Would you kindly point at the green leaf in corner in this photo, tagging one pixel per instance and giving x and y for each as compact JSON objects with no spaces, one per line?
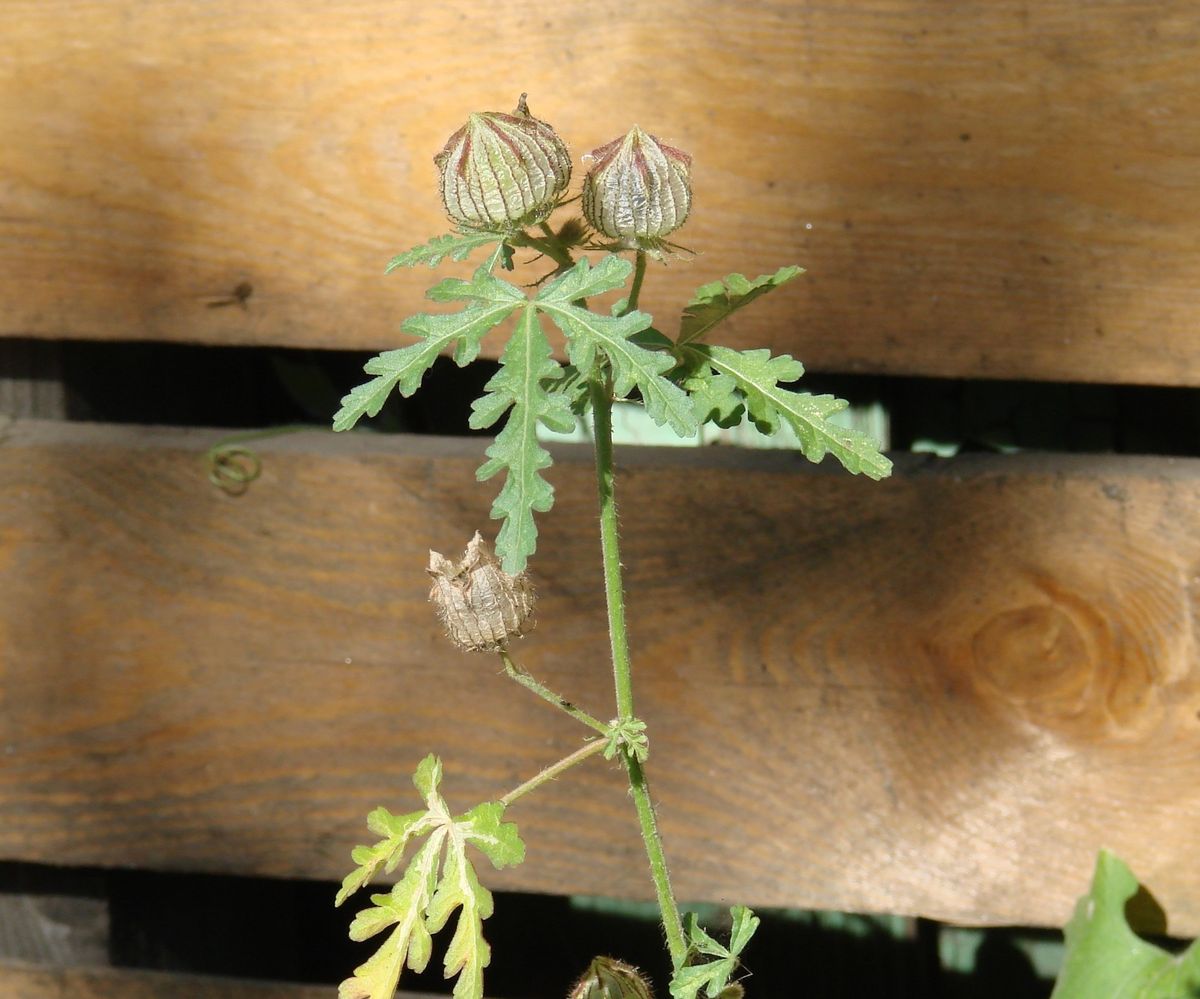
{"x":438,"y":882}
{"x":753,"y":376}
{"x":716,"y":300}
{"x":455,"y":246}
{"x":1104,"y":957}
{"x":490,"y":302}
{"x":524,"y":383}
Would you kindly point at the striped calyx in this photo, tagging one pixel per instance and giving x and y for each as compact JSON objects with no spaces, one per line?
{"x":638,"y":190}
{"x":608,"y":978}
{"x":503,"y":172}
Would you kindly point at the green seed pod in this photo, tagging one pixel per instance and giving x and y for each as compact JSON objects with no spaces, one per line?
{"x":503,"y":172}
{"x":608,"y":978}
{"x":638,"y":190}
{"x":481,"y":605}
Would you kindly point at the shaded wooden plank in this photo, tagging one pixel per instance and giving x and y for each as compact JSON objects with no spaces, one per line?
{"x":936,"y":695}
{"x":32,"y":982}
{"x":1003,"y":189}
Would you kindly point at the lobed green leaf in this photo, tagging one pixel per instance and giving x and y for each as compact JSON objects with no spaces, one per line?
{"x":752,"y":378}
{"x":387,"y":853}
{"x":438,"y":882}
{"x":745,"y":923}
{"x":712,"y":976}
{"x":484,"y":829}
{"x":467,"y":953}
{"x":583,"y":280}
{"x":716,"y":300}
{"x":427,"y":777}
{"x":490,"y":300}
{"x":455,"y":246}
{"x":410,"y":942}
{"x":523,"y":384}
{"x":483,"y":287}
{"x":632,"y":364}
{"x":715,"y":398}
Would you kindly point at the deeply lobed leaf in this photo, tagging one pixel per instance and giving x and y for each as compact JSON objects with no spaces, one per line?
{"x":484,"y":828}
{"x":490,"y":302}
{"x":583,"y":280}
{"x":438,"y":881}
{"x":524,"y":384}
{"x":455,"y":246}
{"x":710,"y":977}
{"x":632,"y":363}
{"x":716,"y":300}
{"x":727,"y":378}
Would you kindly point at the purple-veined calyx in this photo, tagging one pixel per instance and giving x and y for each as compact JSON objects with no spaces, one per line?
{"x":503,"y":172}
{"x":638,"y":190}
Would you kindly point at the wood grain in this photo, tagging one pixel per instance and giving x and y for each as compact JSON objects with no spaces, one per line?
{"x":995,"y":189}
{"x":19,"y":981}
{"x":936,"y":695}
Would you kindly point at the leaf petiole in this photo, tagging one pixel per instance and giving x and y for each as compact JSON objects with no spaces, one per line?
{"x":552,"y":771}
{"x":526,"y":680}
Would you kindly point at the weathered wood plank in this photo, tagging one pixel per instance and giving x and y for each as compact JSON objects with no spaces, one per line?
{"x":1004,"y":189}
{"x":938,"y":695}
{"x":33,"y":982}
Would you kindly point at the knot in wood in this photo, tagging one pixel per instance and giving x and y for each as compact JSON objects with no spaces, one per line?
{"x":480,"y":604}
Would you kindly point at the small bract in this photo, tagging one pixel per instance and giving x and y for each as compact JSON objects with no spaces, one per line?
{"x":638,"y":190}
{"x":481,"y":605}
{"x":503,"y":172}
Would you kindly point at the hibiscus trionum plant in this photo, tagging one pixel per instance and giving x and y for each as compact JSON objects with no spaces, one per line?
{"x":502,"y":176}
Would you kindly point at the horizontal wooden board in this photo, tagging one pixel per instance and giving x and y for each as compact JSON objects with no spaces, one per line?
{"x":26,"y":981}
{"x":936,"y":695}
{"x":988,"y":189}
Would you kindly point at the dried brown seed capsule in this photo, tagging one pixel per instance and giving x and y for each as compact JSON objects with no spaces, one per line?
{"x":480,"y":604}
{"x":608,"y":978}
{"x":503,"y":172}
{"x":638,"y":190}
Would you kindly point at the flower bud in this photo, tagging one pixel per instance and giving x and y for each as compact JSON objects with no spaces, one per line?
{"x":503,"y":171}
{"x":638,"y":190}
{"x":480,"y":604}
{"x":608,"y":978}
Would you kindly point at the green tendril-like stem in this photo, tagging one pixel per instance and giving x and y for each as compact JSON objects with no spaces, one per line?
{"x":527,"y":681}
{"x":552,"y":771}
{"x":601,"y":393}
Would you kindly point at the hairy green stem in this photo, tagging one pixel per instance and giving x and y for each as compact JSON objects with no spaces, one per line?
{"x":523,"y":677}
{"x":601,"y":392}
{"x":635,"y":289}
{"x":552,"y":771}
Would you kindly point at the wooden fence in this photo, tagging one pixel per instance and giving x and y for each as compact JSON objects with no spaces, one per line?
{"x":938,"y":695}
